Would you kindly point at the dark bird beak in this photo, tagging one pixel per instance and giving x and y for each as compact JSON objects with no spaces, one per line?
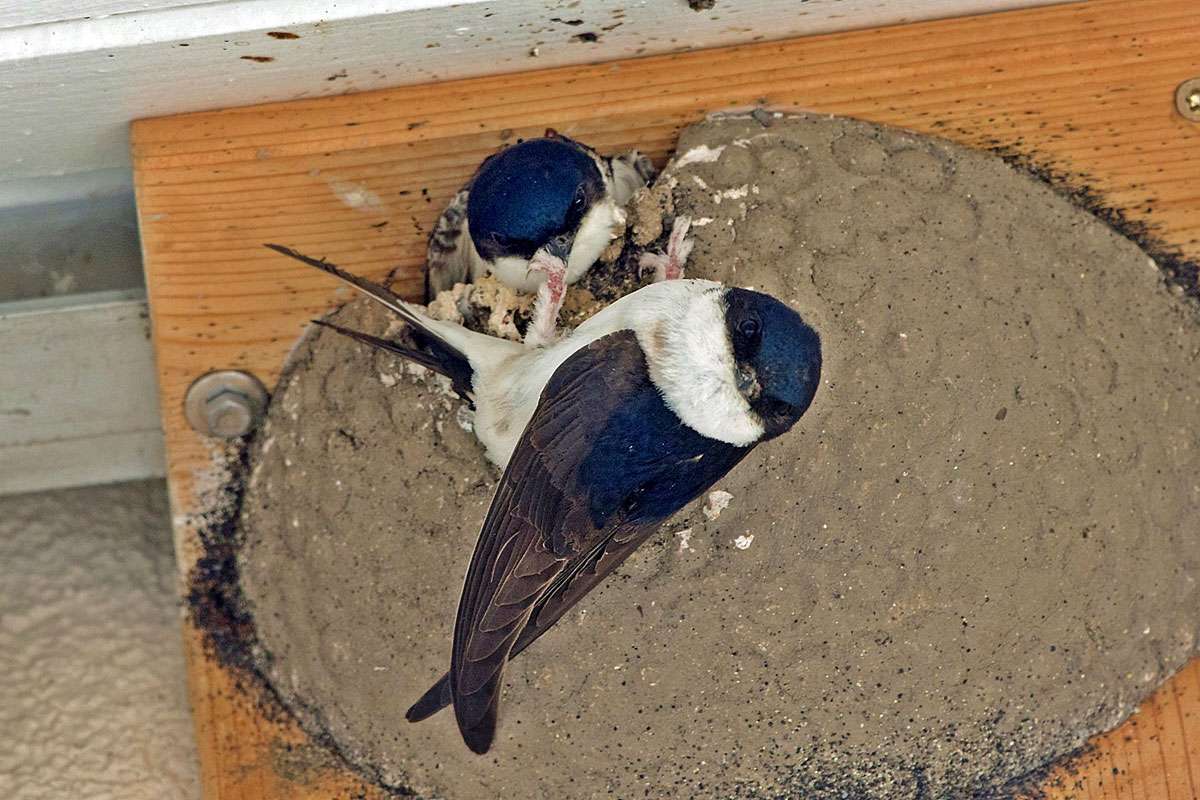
{"x":560,"y":246}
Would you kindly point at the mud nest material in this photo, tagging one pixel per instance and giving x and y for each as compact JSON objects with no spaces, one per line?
{"x":977,"y":548}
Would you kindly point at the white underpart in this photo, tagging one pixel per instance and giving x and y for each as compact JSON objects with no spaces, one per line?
{"x":626,"y":179}
{"x":681,"y":328}
{"x":600,"y":226}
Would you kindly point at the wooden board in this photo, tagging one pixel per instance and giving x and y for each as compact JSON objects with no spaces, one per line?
{"x":1086,"y":88}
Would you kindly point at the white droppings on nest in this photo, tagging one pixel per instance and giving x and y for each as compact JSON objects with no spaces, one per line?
{"x":387,"y":380}
{"x":291,"y":405}
{"x":488,"y":298}
{"x":414,"y":370}
{"x":445,"y":387}
{"x":267,"y":445}
{"x":685,"y":540}
{"x":700,"y":222}
{"x":465,"y":418}
{"x":450,"y":304}
{"x":744,"y":541}
{"x":700,"y":182}
{"x":701,"y":154}
{"x":733,"y":193}
{"x":745,"y":143}
{"x":718,"y":501}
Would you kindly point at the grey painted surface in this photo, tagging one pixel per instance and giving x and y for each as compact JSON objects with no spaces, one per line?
{"x":88,"y":244}
{"x":92,"y":688}
{"x":78,"y":402}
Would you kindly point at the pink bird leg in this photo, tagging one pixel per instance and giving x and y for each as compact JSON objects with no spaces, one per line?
{"x":669,"y":267}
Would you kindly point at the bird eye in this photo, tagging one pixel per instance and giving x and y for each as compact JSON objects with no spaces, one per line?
{"x":749,"y":328}
{"x":579,"y":201}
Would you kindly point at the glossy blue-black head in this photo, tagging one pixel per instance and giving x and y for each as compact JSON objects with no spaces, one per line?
{"x":530,"y":195}
{"x":777,"y":355}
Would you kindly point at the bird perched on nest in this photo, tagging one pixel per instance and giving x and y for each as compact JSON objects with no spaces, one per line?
{"x":603,"y":436}
{"x":537,"y":215}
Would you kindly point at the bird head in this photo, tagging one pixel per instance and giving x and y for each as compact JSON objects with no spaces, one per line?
{"x":777,"y":358}
{"x":533,"y":195}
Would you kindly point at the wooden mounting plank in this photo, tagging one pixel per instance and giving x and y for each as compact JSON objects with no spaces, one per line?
{"x":1085,"y":88}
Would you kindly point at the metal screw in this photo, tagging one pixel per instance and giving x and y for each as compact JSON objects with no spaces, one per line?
{"x":1187,"y":99}
{"x":225,"y":404}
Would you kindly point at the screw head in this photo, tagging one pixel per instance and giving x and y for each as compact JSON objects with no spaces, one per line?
{"x":1187,"y":99}
{"x":225,"y":404}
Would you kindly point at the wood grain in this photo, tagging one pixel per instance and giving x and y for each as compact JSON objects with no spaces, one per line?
{"x":1086,"y":88}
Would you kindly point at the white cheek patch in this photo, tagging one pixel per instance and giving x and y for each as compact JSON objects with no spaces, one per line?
{"x":691,"y":362}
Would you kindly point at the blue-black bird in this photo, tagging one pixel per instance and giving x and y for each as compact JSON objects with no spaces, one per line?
{"x":603,"y":435}
{"x":537,"y":215}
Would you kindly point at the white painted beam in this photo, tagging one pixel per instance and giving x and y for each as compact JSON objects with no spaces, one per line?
{"x":70,"y":87}
{"x":78,"y":402}
{"x":17,"y":13}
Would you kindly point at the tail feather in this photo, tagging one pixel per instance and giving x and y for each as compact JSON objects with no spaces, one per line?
{"x":475,"y":714}
{"x":434,"y":700}
{"x":453,"y":368}
{"x":432,"y":350}
{"x":376,"y":291}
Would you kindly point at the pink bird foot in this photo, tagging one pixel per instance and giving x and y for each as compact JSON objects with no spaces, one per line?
{"x":669,"y":267}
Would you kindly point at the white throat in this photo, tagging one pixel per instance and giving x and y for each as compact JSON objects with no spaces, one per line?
{"x":691,"y":361}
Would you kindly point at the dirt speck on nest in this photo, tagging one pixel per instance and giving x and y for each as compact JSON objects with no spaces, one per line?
{"x":976,"y":549}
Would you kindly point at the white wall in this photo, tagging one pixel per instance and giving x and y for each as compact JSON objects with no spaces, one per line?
{"x":14,"y":13}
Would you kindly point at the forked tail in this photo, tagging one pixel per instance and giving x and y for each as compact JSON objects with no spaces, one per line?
{"x":430,"y":349}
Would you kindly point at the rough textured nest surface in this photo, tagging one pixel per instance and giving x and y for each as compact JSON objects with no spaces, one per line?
{"x":975,"y":550}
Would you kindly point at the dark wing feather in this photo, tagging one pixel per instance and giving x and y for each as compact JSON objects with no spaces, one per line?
{"x":567,"y":589}
{"x":539,"y":527}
